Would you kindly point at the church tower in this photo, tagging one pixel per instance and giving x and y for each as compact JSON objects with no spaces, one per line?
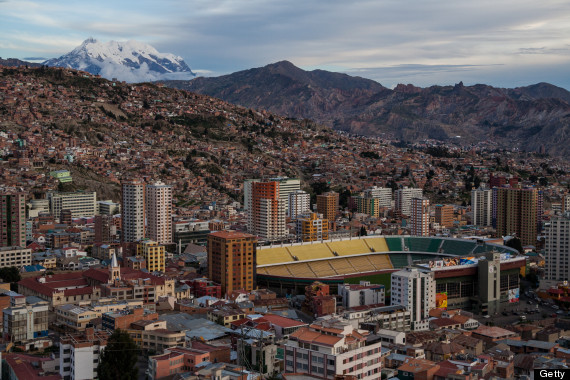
{"x":114,"y":270}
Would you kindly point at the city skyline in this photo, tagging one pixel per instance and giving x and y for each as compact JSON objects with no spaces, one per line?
{"x":508,"y":44}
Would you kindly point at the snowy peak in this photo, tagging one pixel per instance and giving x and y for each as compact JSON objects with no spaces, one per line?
{"x":131,"y":61}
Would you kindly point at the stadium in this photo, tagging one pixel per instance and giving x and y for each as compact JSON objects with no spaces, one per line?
{"x":288,"y":268}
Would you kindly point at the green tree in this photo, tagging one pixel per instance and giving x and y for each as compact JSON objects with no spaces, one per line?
{"x":363,"y":231}
{"x":119,"y":359}
{"x":10,"y":274}
{"x":515,"y":243}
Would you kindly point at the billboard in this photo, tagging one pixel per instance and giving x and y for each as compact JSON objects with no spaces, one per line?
{"x":441,"y":300}
{"x":467,"y":260}
{"x":513,"y":295}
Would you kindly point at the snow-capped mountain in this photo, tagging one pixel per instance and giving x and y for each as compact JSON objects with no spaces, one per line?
{"x":131,"y":61}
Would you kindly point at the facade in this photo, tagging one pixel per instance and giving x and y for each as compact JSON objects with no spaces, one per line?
{"x":79,"y":354}
{"x":25,"y":319}
{"x":383,"y":194}
{"x":360,"y":295}
{"x":310,"y":227}
{"x":266,"y":217}
{"x":133,"y":211}
{"x":327,"y":205}
{"x":159,"y":212}
{"x":332,"y":348}
{"x":15,"y":257}
{"x":403,"y":199}
{"x":444,"y":215}
{"x":105,"y":229}
{"x":299,"y":203}
{"x":153,"y":253}
{"x":12,"y":220}
{"x":557,"y":249}
{"x":74,"y":317}
{"x":414,"y":290}
{"x":482,"y":206}
{"x":108,"y":208}
{"x":368,"y":206}
{"x":186,"y":232}
{"x":518,"y":212}
{"x":232,"y":260}
{"x":79,"y":203}
{"x":419,"y":225}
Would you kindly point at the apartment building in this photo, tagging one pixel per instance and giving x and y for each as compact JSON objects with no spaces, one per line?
{"x":159,"y":212}
{"x":79,"y":354}
{"x":80,"y":203}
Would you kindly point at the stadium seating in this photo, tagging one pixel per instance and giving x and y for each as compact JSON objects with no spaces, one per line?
{"x":310,"y":251}
{"x":275,"y":270}
{"x":322,"y":268}
{"x":361,"y":264}
{"x":399,"y":260}
{"x":301,"y":270}
{"x":394,"y":243}
{"x":380,"y":262}
{"x":349,"y":247}
{"x":274,"y":255}
{"x":457,"y":247}
{"x":342,"y":266}
{"x":377,"y":244}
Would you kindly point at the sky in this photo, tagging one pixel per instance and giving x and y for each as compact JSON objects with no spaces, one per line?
{"x":505,"y":43}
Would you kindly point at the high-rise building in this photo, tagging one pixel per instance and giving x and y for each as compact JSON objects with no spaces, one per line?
{"x":105,"y":229}
{"x":266,"y":217}
{"x":153,"y":253}
{"x":414,"y":290}
{"x":133,"y":211}
{"x":159,"y":213}
{"x":311,"y":227}
{"x":232,"y":260}
{"x":557,"y":249}
{"x":299,"y":203}
{"x":419,"y":225}
{"x":13,"y":220}
{"x":80,"y":203}
{"x":286,"y":186}
{"x":383,"y":194}
{"x":444,"y":215}
{"x":566,"y":203}
{"x":403,"y":199}
{"x":518,"y":213}
{"x":482,"y":206}
{"x":79,"y":353}
{"x":327,"y":204}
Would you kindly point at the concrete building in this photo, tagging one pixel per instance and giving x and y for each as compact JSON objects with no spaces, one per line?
{"x":299,"y":203}
{"x":419,"y":224}
{"x":153,"y":253}
{"x":311,"y":227}
{"x":327,"y":205}
{"x":15,"y":257}
{"x":444,"y":215}
{"x":383,"y":194}
{"x":232,"y":259}
{"x":108,"y":207}
{"x":482,"y":206}
{"x":75,"y":317}
{"x":80,"y":203}
{"x":403,"y":199}
{"x":105,"y":229}
{"x":12,"y":220}
{"x":190,"y":232}
{"x":518,"y":212}
{"x":133,"y":211}
{"x":26,"y":319}
{"x":266,"y":217}
{"x":79,"y":354}
{"x":362,"y":294}
{"x":414,"y":290}
{"x":159,"y":212}
{"x":328,"y":348}
{"x":557,"y":249}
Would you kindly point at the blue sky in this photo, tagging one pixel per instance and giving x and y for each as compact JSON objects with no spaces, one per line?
{"x":505,"y":43}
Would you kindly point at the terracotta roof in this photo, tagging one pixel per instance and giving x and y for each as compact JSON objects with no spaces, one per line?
{"x":280,"y":321}
{"x":231,"y":235}
{"x":441,"y":322}
{"x":307,"y":335}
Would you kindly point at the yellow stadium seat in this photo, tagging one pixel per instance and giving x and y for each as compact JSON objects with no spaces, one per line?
{"x":377,"y":244}
{"x":273,"y":255}
{"x":310,"y":251}
{"x":349,"y":247}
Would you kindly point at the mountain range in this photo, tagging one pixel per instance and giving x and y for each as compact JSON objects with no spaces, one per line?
{"x":130,"y":61}
{"x":533,"y":118}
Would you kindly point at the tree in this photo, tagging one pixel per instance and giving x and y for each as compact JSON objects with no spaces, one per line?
{"x":363,"y":231}
{"x":515,"y":243}
{"x":119,"y":359}
{"x":10,"y":274}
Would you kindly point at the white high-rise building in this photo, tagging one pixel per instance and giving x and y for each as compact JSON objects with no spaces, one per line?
{"x":557,"y":249}
{"x":80,"y":203}
{"x":79,"y":354}
{"x":482,"y":206}
{"x":414,"y":290}
{"x":266,"y":214}
{"x":133,"y":211}
{"x":299,"y":203}
{"x":383,"y":194}
{"x":403,"y":199}
{"x":419,"y":225}
{"x":159,"y":213}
